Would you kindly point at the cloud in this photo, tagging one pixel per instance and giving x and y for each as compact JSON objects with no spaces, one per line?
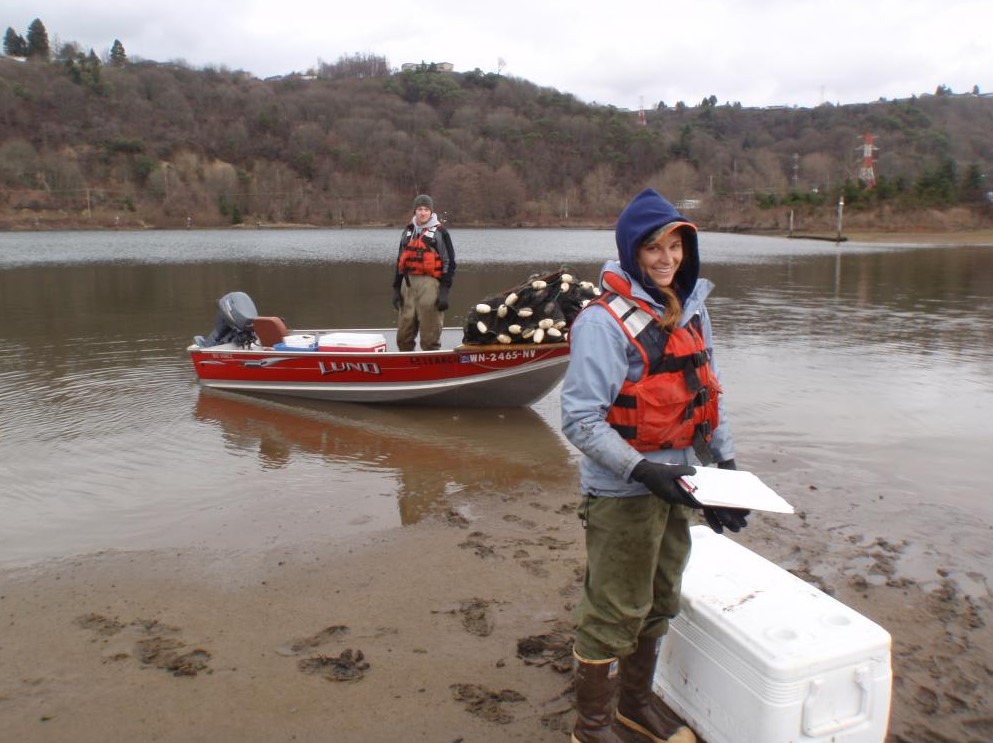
{"x":756,"y":52}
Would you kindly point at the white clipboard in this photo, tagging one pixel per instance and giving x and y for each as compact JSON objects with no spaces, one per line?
{"x":713,"y":486}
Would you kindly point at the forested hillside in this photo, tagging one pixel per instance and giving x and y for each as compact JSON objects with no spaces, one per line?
{"x":91,"y":142}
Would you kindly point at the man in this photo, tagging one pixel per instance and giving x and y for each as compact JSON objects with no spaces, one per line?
{"x":424,"y":271}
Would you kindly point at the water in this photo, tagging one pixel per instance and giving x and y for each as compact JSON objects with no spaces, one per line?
{"x":859,"y":381}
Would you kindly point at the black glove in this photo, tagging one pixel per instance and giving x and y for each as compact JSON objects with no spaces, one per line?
{"x":397,"y":299}
{"x":442,"y":304}
{"x":734,"y":519}
{"x":661,"y":480}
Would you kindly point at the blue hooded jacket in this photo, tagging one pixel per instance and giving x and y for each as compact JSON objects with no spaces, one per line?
{"x":602,"y":357}
{"x":644,"y":215}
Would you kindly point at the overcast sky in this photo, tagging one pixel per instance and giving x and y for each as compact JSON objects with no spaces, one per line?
{"x":625,"y":53}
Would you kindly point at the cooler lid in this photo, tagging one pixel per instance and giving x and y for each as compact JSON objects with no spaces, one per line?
{"x":787,"y":626}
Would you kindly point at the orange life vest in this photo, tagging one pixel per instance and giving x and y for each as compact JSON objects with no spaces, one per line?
{"x":675,"y":402}
{"x":420,"y":257}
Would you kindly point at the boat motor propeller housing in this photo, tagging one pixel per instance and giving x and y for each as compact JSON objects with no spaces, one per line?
{"x":238,"y":309}
{"x":233,"y":323}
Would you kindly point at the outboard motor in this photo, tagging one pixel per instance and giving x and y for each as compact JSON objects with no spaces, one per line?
{"x":233,"y":323}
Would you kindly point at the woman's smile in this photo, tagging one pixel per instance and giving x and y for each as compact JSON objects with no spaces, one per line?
{"x":659,"y":260}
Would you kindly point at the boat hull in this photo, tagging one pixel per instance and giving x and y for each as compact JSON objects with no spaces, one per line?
{"x":464,"y":376}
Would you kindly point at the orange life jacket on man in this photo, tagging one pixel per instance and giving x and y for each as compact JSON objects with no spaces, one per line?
{"x":420,"y":257}
{"x":675,"y":402}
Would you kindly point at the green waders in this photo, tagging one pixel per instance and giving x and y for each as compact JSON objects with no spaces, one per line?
{"x":637,"y":549}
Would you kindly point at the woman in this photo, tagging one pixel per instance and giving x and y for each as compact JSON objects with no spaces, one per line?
{"x":641,"y":400}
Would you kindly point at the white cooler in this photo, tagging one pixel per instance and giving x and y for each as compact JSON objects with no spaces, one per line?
{"x":352,"y":342}
{"x":757,"y":655}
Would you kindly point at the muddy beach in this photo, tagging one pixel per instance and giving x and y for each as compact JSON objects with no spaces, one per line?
{"x":178,"y":567}
{"x":457,"y":628}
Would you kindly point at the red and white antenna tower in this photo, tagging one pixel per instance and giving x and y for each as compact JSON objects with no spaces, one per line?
{"x":866,"y":172}
{"x":641,"y":111}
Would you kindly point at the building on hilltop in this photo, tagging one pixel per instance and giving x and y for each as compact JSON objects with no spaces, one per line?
{"x":429,"y":66}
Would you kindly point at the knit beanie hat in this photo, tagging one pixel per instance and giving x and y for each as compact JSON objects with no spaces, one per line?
{"x":424,"y":200}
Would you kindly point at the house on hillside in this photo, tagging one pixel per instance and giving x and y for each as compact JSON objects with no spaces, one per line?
{"x":429,"y":66}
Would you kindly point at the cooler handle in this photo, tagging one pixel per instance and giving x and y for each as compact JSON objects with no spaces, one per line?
{"x":812,"y":730}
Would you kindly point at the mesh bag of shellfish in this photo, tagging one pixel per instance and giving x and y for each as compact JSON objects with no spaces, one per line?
{"x":539,"y":310}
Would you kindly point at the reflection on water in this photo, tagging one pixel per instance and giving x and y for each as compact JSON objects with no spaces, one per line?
{"x":433,"y":454}
{"x":869,"y":365}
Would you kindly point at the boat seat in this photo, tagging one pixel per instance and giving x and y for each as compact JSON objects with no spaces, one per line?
{"x":269,"y":330}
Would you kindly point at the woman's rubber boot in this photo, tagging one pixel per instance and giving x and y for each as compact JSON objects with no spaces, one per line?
{"x":596,"y":682}
{"x":638,"y":708}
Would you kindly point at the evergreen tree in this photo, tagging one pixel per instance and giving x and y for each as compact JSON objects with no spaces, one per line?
{"x":971,"y":188}
{"x":14,"y":44}
{"x":38,"y":40}
{"x":118,"y":57}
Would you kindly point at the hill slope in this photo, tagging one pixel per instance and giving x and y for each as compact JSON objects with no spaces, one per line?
{"x":84,"y":143}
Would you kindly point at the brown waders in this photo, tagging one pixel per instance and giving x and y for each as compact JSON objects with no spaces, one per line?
{"x":596,"y":682}
{"x":639,"y":708}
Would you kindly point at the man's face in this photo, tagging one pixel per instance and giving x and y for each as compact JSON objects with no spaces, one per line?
{"x":422,"y":214}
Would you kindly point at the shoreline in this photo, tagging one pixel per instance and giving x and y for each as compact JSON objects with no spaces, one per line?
{"x":424,"y":623}
{"x":981,"y":237}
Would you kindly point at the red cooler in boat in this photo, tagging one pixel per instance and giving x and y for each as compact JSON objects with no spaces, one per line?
{"x":352,"y":342}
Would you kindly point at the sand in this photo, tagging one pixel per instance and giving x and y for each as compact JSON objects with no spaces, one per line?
{"x":982,"y":237}
{"x":456,"y":628}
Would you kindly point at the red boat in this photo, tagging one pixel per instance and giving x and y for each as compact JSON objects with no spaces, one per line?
{"x":509,"y":354}
{"x":457,"y":375}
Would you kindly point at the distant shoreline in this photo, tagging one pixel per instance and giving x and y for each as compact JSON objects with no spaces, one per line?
{"x":975,"y":237}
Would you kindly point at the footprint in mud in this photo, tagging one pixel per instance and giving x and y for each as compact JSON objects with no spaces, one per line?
{"x":954,"y":609}
{"x":523,"y":489}
{"x":487,"y":704}
{"x":98,"y":623}
{"x":454,"y":517}
{"x":475,"y":616}
{"x":165,"y":653}
{"x":297,"y":646}
{"x":157,"y":647}
{"x":552,"y":649}
{"x":574,"y":585}
{"x":552,"y":544}
{"x":981,"y":726}
{"x":558,"y":713}
{"x":927,"y":700}
{"x":351,"y":665}
{"x":804,"y":573}
{"x":477,"y":543}
{"x":536,"y":567}
{"x":515,"y":519}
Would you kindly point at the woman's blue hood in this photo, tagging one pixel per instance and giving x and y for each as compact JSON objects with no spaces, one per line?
{"x":644,"y":214}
